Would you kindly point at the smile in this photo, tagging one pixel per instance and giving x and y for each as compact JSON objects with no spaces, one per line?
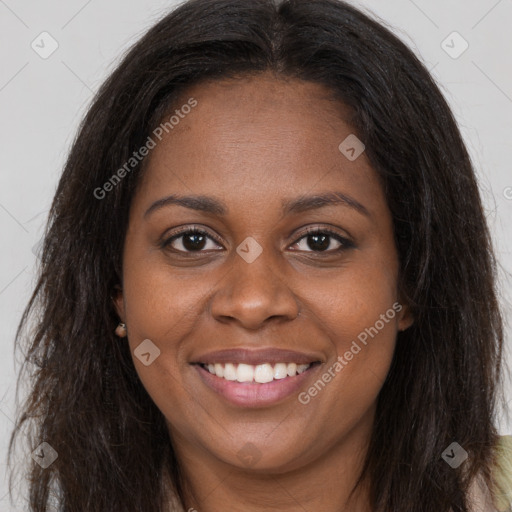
{"x":261,"y":373}
{"x":256,"y":386}
{"x":256,"y":378}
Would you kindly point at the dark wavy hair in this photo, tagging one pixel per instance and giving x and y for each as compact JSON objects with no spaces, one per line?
{"x":86,"y":399}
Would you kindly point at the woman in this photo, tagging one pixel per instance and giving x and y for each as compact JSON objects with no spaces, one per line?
{"x":267,"y":281}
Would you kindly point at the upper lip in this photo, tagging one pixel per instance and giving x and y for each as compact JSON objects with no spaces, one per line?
{"x":255,"y":357}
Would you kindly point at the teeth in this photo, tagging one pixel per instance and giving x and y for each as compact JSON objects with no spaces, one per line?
{"x":229,"y":371}
{"x":244,"y":373}
{"x":219,"y":370}
{"x":261,"y":373}
{"x":280,"y":371}
{"x":301,"y":368}
{"x":292,"y":368}
{"x":264,"y":373}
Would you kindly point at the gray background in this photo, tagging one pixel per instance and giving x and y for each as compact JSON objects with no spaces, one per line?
{"x":43,"y":100}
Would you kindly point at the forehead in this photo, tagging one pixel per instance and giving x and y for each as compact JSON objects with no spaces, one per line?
{"x":259,"y":134}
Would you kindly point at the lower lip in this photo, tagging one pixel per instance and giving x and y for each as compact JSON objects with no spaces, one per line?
{"x":253,"y":394}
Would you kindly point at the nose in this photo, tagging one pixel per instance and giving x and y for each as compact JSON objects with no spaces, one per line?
{"x":254,"y":294}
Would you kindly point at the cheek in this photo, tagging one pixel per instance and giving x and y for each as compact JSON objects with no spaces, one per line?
{"x":165,"y":307}
{"x":354,"y":300}
{"x":161,"y":304}
{"x":343,"y":395}
{"x":358,"y":313}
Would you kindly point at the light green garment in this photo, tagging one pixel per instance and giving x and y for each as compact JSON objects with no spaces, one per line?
{"x":502,"y":492}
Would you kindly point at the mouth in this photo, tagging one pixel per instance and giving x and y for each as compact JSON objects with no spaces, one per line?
{"x":255,"y":385}
{"x":261,"y":373}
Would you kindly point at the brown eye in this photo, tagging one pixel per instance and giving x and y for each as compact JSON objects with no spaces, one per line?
{"x":321,"y":240}
{"x":190,"y":240}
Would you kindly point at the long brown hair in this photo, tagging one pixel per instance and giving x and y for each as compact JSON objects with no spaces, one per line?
{"x":86,"y":399}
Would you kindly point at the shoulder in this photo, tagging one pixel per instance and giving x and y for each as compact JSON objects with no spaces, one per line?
{"x":502,"y":474}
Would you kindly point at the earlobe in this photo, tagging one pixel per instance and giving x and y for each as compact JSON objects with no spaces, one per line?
{"x":405,"y":319}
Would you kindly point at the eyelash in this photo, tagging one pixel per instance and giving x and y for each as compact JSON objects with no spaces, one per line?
{"x":345,"y":243}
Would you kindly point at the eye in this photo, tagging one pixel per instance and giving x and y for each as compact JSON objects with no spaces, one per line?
{"x":190,"y":240}
{"x":320,"y":240}
{"x":193,"y":239}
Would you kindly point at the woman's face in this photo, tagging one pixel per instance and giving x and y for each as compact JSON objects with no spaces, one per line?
{"x":257,"y":289}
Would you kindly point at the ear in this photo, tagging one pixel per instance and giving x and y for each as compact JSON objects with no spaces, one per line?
{"x":118,"y":300}
{"x":404,"y":317}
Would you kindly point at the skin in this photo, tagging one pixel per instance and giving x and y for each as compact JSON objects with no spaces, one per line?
{"x":253,"y":143}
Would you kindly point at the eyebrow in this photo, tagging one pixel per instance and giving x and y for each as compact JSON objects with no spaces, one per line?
{"x":297,"y":205}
